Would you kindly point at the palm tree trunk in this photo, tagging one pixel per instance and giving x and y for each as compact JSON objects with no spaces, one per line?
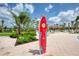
{"x":2,"y":26}
{"x":18,"y":30}
{"x":76,"y":27}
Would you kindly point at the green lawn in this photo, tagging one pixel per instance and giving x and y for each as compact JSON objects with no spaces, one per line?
{"x":5,"y":34}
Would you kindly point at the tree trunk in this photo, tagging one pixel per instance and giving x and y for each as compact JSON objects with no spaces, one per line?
{"x":18,"y":30}
{"x":2,"y":26}
{"x":2,"y":29}
{"x":76,"y":27}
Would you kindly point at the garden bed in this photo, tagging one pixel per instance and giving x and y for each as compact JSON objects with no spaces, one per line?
{"x":26,"y":38}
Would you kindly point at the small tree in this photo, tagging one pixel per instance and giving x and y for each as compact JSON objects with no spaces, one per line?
{"x":64,"y":26}
{"x":22,"y":19}
{"x":77,"y":23}
{"x":2,"y":21}
{"x":72,"y":25}
{"x":36,"y":23}
{"x":69,"y":27}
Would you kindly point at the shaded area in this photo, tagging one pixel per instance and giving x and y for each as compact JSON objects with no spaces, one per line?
{"x":37,"y":52}
{"x":16,"y":43}
{"x":34,"y":52}
{"x":6,"y":53}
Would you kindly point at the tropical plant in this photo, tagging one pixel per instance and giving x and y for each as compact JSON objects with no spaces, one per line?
{"x":35,"y":23}
{"x":2,"y":27}
{"x":69,"y":27}
{"x":72,"y":25}
{"x":77,"y":23}
{"x":64,"y":26}
{"x":21,"y":20}
{"x":24,"y":20}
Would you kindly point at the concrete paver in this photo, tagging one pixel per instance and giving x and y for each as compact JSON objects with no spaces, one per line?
{"x":58,"y":44}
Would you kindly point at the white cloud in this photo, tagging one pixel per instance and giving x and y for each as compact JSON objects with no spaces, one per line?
{"x":18,"y":7}
{"x":8,"y":17}
{"x":30,"y":7}
{"x":47,"y":9}
{"x":6,"y":4}
{"x":54,"y":19}
{"x":9,"y":20}
{"x":3,"y":4}
{"x":23,"y":7}
{"x":65,"y":16}
{"x":76,"y":12}
{"x":38,"y":19}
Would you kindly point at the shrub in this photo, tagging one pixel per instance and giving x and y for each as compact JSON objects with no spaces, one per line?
{"x":20,"y":39}
{"x":13,"y":35}
{"x":32,"y":33}
{"x":25,"y":38}
{"x":33,"y":38}
{"x":31,"y":29}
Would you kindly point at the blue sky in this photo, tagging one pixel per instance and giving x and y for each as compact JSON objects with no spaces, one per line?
{"x":40,"y":9}
{"x":54,"y":12}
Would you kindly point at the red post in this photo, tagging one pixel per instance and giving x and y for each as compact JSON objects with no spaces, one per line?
{"x":43,"y":29}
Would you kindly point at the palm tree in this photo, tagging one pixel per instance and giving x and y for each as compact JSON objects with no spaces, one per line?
{"x":36,"y":23}
{"x":57,"y":26}
{"x":69,"y":27}
{"x":77,"y":23}
{"x":64,"y":26}
{"x":72,"y":26}
{"x":22,"y":19}
{"x":16,"y":18}
{"x":2,"y":27}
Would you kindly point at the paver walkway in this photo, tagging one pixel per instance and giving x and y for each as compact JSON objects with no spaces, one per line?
{"x":63,"y":44}
{"x":58,"y":44}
